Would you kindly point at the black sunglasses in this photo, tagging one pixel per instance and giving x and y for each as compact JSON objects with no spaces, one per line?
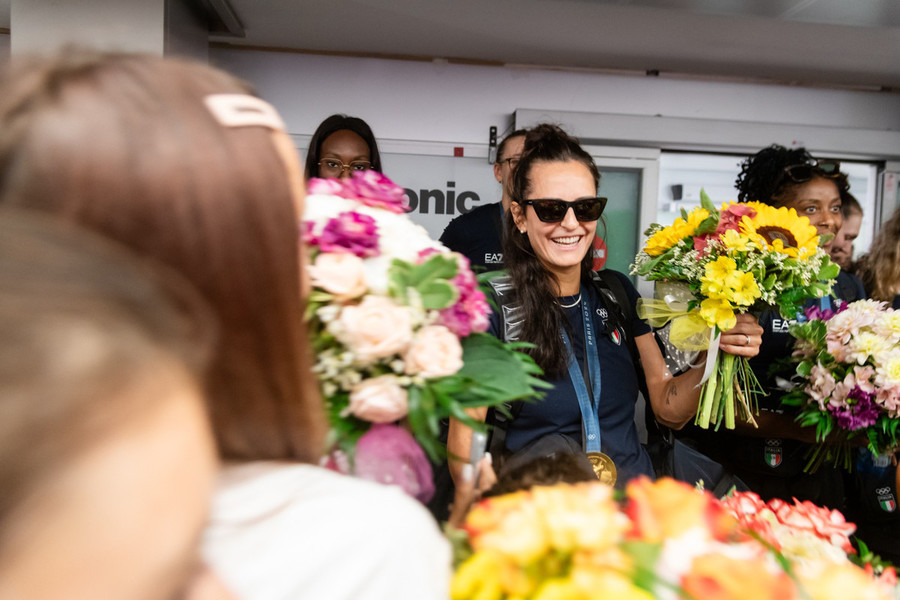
{"x":830,"y":169}
{"x":551,"y":210}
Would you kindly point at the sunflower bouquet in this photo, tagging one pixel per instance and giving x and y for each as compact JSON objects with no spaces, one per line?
{"x":714,"y":263}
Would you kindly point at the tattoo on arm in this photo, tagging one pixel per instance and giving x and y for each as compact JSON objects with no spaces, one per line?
{"x":672,"y":393}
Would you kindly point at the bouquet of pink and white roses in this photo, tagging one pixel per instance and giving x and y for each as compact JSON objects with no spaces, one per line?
{"x":712,"y":264}
{"x":397,"y":320}
{"x":848,"y":365}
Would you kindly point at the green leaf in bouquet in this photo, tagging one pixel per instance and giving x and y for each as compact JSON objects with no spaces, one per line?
{"x":644,"y":556}
{"x":707,"y":203}
{"x":769,"y":282}
{"x":419,"y":400}
{"x":684,"y":214}
{"x":818,"y":289}
{"x":804,"y":368}
{"x":511,"y":375}
{"x":345,"y":430}
{"x":651,"y":265}
{"x":708,"y":225}
{"x":828,"y":270}
{"x":430,"y":279}
{"x":436,"y":295}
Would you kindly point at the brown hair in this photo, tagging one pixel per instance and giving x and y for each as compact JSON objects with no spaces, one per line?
{"x":880,"y":268}
{"x":534,"y":286}
{"x":125,"y":145}
{"x":90,"y":338}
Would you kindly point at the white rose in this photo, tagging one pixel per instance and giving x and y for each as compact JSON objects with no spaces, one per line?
{"x":379,"y":400}
{"x":373,"y":329}
{"x":434,"y":352}
{"x":341,"y":274}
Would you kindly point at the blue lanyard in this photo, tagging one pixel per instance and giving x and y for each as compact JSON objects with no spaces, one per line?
{"x":588,"y":404}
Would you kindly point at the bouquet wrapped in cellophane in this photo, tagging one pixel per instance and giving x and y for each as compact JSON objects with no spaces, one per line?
{"x":397,"y":322}
{"x":847,"y":362}
{"x":664,"y":540}
{"x":712,"y":264}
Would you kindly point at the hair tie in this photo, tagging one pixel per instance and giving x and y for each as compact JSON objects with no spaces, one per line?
{"x":243,"y":110}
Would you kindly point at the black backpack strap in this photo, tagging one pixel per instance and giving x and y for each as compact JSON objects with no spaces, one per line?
{"x":511,"y":327}
{"x":619,"y":305}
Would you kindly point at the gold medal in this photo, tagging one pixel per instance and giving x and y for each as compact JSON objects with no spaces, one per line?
{"x":604,"y":467}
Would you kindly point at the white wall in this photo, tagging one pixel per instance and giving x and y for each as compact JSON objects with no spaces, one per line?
{"x":432,"y":101}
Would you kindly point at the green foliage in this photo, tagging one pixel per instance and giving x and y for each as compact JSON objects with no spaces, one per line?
{"x":494,"y":373}
{"x":707,"y":203}
{"x":430,"y":280}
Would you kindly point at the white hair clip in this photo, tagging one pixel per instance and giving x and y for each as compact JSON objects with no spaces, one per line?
{"x":243,"y":110}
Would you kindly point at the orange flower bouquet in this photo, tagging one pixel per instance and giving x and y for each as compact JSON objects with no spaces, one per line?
{"x":665,"y":540}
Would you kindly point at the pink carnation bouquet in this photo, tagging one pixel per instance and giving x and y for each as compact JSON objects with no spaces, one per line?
{"x":847,"y":376}
{"x":397,"y":321}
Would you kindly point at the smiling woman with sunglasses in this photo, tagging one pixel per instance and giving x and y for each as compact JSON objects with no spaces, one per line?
{"x":588,"y":342}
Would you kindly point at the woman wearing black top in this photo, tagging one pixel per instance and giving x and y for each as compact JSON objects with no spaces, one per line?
{"x":771,"y":458}
{"x":551,"y":300}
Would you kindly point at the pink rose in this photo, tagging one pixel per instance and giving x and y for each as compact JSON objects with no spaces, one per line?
{"x":339,"y":274}
{"x":373,"y":329}
{"x":326,"y":187}
{"x":434,"y":352}
{"x":350,"y":232}
{"x":374,"y":189}
{"x":379,"y":400}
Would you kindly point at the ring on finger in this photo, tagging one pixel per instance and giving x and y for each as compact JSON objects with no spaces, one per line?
{"x":747,"y":342}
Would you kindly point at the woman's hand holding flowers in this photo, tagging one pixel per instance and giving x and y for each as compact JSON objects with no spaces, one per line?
{"x":744,"y":339}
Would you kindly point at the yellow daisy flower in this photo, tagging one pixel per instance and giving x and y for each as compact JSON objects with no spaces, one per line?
{"x":743,"y":288}
{"x":717,"y":312}
{"x":720,"y":268}
{"x":781,"y":230}
{"x":736,"y":242}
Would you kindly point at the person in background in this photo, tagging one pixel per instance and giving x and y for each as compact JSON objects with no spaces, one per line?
{"x":178,"y":162}
{"x":879,"y":269}
{"x":588,"y":348}
{"x":770,"y":458}
{"x":477,"y":234}
{"x":341,"y":146}
{"x":842,"y":246}
{"x":107,"y":461}
{"x":873,"y":484}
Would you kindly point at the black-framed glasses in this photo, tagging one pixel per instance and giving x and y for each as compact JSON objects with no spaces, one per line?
{"x":333,"y":165}
{"x":552,"y":210}
{"x":829,"y":169}
{"x":511,"y":162}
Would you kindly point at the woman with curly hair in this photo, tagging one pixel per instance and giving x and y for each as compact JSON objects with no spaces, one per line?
{"x":585,"y":334}
{"x":771,"y":458}
{"x":880,"y":268}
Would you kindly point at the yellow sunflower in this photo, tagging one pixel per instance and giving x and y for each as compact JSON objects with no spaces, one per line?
{"x":781,"y":230}
{"x":667,"y":237}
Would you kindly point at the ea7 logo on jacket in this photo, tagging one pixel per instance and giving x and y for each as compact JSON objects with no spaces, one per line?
{"x":886,"y":499}
{"x":780,"y":325}
{"x":773,"y":453}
